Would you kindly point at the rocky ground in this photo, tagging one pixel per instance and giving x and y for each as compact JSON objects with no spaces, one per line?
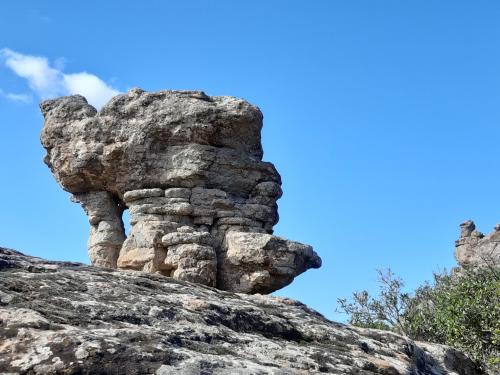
{"x":68,"y":318}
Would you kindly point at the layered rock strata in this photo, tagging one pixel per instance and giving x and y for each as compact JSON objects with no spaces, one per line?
{"x":475,"y":250}
{"x":67,"y":318}
{"x":189,"y":169}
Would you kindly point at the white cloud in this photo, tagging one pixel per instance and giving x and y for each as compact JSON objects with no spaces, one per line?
{"x":42,"y":79}
{"x":25,"y":98}
{"x":93,"y":88}
{"x":49,"y":81}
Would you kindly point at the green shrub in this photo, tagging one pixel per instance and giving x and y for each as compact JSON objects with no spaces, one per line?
{"x":461,"y":310}
{"x":384,"y":312}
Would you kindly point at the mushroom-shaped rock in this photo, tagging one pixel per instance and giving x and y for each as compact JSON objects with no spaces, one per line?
{"x":188,"y":167}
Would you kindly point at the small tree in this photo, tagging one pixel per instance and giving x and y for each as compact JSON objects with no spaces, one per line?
{"x":384,"y":312}
{"x":460,"y":310}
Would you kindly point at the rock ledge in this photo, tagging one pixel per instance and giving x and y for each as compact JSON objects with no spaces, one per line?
{"x":68,"y":318}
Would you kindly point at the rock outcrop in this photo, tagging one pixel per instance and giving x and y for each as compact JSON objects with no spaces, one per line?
{"x":189,"y":169}
{"x":476,"y":250}
{"x":68,"y":318}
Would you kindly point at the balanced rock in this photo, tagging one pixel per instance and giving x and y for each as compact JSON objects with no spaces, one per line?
{"x":189,"y":169}
{"x":67,"y":318}
{"x":475,"y":250}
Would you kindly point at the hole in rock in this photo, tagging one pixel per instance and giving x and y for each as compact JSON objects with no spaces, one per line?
{"x":126,"y":222}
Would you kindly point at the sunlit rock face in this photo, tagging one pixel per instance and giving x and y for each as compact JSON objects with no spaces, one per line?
{"x":476,"y":250}
{"x":68,"y":318}
{"x":189,"y":169}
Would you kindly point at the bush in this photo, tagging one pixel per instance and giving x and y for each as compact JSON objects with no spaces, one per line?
{"x":384,"y":312}
{"x":460,"y":310}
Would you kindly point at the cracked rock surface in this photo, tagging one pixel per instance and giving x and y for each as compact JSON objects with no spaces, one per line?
{"x":68,"y":318}
{"x":188,"y":167}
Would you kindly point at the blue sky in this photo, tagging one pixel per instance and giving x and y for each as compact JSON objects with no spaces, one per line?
{"x":382,"y":117}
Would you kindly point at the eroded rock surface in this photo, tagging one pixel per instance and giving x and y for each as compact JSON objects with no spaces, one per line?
{"x":474,"y":249}
{"x":189,"y":169}
{"x":67,"y":318}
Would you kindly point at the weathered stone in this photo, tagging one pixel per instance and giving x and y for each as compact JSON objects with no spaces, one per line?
{"x":474,"y":249}
{"x":107,"y":233}
{"x":176,"y":238}
{"x":134,"y":219}
{"x":192,"y":262}
{"x":133,"y":195}
{"x":177,"y":200}
{"x":180,"y":209}
{"x":268,"y":189}
{"x":204,"y":197}
{"x":142,"y":250}
{"x":67,"y":318}
{"x":225,"y":213}
{"x":173,"y":159}
{"x":178,"y":193}
{"x":185,"y":229}
{"x":261,"y":199}
{"x":203,"y":220}
{"x":259,"y":212}
{"x":203,"y":212}
{"x":256,"y":262}
{"x":238,"y":221}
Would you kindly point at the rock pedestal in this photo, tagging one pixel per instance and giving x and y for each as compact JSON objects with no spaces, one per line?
{"x":189,"y":169}
{"x":106,"y":226}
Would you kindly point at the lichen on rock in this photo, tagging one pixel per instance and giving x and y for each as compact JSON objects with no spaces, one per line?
{"x":67,"y":318}
{"x":188,"y":167}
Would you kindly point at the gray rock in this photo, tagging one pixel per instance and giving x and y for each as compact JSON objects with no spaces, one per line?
{"x":173,"y":159}
{"x":192,"y":262}
{"x":67,"y":318}
{"x":178,"y":193}
{"x":475,"y":250}
{"x":179,"y":237}
{"x":131,"y":196}
{"x":258,"y":262}
{"x":107,"y":232}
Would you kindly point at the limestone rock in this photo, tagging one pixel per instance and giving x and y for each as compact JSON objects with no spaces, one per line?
{"x":173,"y":159}
{"x":68,"y":318}
{"x":259,"y":262}
{"x":106,"y":226}
{"x":192,"y":262}
{"x":474,"y":249}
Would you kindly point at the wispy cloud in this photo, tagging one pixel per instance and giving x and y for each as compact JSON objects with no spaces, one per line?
{"x":49,"y":81}
{"x":24,"y":98}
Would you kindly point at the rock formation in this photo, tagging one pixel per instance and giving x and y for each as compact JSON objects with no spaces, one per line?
{"x":189,"y":169}
{"x":474,"y":249}
{"x":67,"y":318}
